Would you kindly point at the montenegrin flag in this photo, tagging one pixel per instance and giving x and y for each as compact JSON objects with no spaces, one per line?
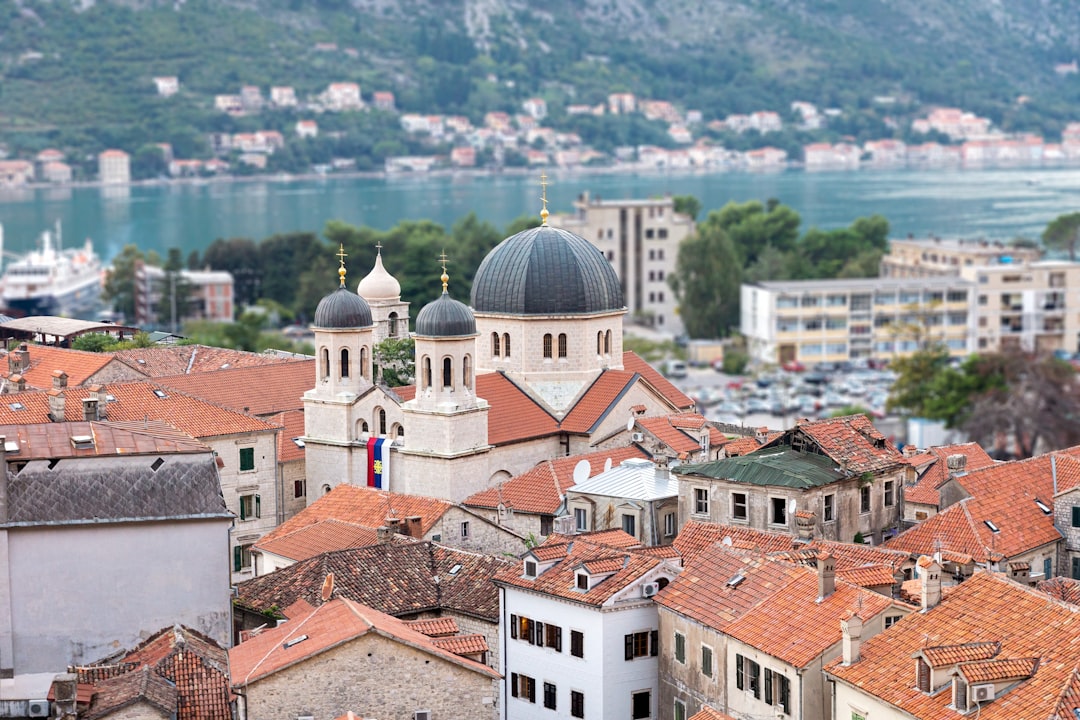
{"x":378,"y":454}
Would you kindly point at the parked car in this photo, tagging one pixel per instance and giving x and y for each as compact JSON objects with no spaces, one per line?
{"x":794,"y":366}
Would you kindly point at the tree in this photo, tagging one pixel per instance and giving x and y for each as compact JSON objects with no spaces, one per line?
{"x":687,"y":205}
{"x":706,"y":280}
{"x":1063,"y":233}
{"x":241,"y":257}
{"x":94,"y":342}
{"x":175,"y":291}
{"x":120,"y":279}
{"x":753,"y":227}
{"x":915,"y":375}
{"x":395,"y":361}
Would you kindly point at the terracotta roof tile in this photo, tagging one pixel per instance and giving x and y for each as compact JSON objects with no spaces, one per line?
{"x":127,"y":689}
{"x":851,"y":441}
{"x":597,"y":401}
{"x":542,"y":489}
{"x":462,"y":644}
{"x":560,"y":579}
{"x":292,"y":425}
{"x":741,"y":446}
{"x":363,"y":506}
{"x":327,"y":626}
{"x":986,"y":608}
{"x":925,"y":491}
{"x":257,"y":390}
{"x":999,"y":670}
{"x":1065,"y":589}
{"x":78,"y":365}
{"x":513,"y":416}
{"x":942,"y":655}
{"x":666,"y":432}
{"x":435,"y":627}
{"x":165,"y":361}
{"x":868,"y":576}
{"x":633,"y":363}
{"x":399,"y":579}
{"x":56,"y":440}
{"x":708,"y":713}
{"x":317,"y":538}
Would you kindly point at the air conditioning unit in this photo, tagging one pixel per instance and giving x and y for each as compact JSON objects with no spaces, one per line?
{"x":38,"y":708}
{"x":982,"y":693}
{"x":650,"y":589}
{"x":638,"y":437}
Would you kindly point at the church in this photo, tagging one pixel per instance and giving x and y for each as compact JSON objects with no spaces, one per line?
{"x":532,"y":369}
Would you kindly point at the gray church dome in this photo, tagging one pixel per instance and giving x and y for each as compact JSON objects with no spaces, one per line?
{"x":342,"y":309}
{"x":445,"y":317}
{"x":546,"y":271}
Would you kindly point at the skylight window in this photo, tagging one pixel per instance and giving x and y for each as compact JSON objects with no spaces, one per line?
{"x":1043,"y":506}
{"x":16,"y":406}
{"x":992,"y":526}
{"x":298,"y":441}
{"x":734,"y":582}
{"x":294,"y":641}
{"x":456,"y":569}
{"x":160,"y":393}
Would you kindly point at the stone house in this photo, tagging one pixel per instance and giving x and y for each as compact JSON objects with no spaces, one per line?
{"x":932,"y":468}
{"x":997,"y":649}
{"x":838,"y":479}
{"x":580,"y":629}
{"x":409,"y":580}
{"x":339,"y":656}
{"x":637,"y":495}
{"x":104,"y":507}
{"x":726,"y":628}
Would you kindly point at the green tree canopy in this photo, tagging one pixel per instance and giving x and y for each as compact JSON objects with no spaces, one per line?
{"x":707,"y":280}
{"x":1063,"y":233}
{"x":687,"y":205}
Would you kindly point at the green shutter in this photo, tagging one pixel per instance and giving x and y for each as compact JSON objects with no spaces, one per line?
{"x":739,"y":672}
{"x":238,"y":558}
{"x":243,"y":512}
{"x":258,"y":506}
{"x":768,"y":686}
{"x":654,"y":643}
{"x":1076,"y":516}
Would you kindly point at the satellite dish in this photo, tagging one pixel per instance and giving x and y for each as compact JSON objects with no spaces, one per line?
{"x":607,"y":464}
{"x":581,"y":471}
{"x":726,"y":541}
{"x":630,"y":424}
{"x":793,"y":506}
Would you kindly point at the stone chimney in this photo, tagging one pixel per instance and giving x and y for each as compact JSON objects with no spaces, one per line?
{"x":385,"y":534}
{"x":931,"y":582}
{"x":852,"y":632}
{"x":1020,"y":572}
{"x":59,"y":379}
{"x":804,"y":525}
{"x":19,"y":359}
{"x":826,"y":575}
{"x":56,"y":405}
{"x":910,"y":450}
{"x":761,"y":434}
{"x":99,"y":393}
{"x":957,"y":465}
{"x":18,"y":383}
{"x":64,"y":686}
{"x":413,"y":527}
{"x":90,"y":409}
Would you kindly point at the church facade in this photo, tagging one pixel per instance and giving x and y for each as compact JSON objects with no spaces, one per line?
{"x":532,"y":369}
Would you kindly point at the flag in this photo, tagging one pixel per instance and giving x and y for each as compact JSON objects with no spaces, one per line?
{"x":378,"y":452}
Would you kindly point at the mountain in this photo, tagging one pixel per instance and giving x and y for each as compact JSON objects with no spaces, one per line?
{"x":79,"y":72}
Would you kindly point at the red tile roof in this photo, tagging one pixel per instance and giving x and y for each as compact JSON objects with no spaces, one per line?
{"x":513,"y":416}
{"x":124,"y":690}
{"x":925,"y":491}
{"x":358,"y":506}
{"x":869,"y":576}
{"x":329,"y":625}
{"x":597,"y":401}
{"x":741,"y":446}
{"x":942,"y":655}
{"x":53,"y":440}
{"x":634,"y":363}
{"x":257,"y":390}
{"x":79,"y":365}
{"x":435,"y":627}
{"x":165,"y":361}
{"x":320,"y":537}
{"x":542,"y":489}
{"x":851,"y":441}
{"x":998,"y":670}
{"x":696,"y":536}
{"x":1060,"y":588}
{"x":462,"y":644}
{"x":708,"y":713}
{"x":671,"y":435}
{"x":292,"y":424}
{"x":986,"y":608}
{"x":1004,"y":494}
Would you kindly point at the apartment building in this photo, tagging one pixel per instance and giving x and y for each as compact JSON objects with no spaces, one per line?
{"x":814,"y":321}
{"x":934,"y":257}
{"x":114,"y":167}
{"x":640,"y":238}
{"x":1030,"y":306}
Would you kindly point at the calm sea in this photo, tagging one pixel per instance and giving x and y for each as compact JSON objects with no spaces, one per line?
{"x":992,"y":204}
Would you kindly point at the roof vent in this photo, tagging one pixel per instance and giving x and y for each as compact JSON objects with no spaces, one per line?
{"x":82,"y":442}
{"x":734,"y":582}
{"x":293,"y":641}
{"x":992,"y":526}
{"x":11,"y":446}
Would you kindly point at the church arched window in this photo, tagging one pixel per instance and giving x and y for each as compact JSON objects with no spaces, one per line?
{"x":425,"y":383}
{"x":495,"y":344}
{"x":380,"y":420}
{"x":562,"y":345}
{"x":325,"y":363}
{"x":466,"y":372}
{"x":447,"y":373}
{"x":607,"y":343}
{"x":547,"y":345}
{"x":600,"y":343}
{"x":506,"y":344}
{"x":363,"y":362}
{"x":391,"y":324}
{"x":344,"y":363}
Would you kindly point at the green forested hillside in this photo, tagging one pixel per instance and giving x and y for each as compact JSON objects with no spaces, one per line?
{"x":77,"y":74}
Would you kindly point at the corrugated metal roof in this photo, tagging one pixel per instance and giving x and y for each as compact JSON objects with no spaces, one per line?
{"x":783,"y":466}
{"x":634,"y":478}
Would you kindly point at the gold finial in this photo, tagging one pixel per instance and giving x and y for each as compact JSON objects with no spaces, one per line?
{"x":543,"y":198}
{"x":445,"y":278}
{"x":341,"y":256}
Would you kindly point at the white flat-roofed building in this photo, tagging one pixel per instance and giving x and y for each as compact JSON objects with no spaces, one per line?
{"x":814,"y":321}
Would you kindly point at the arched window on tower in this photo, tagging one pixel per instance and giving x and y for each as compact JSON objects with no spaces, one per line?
{"x":600,"y":343}
{"x":506,"y":344}
{"x":380,"y":419}
{"x":447,"y":373}
{"x":495,"y":344}
{"x":562,"y":345}
{"x":466,"y":372}
{"x":361,"y":428}
{"x":391,"y":325}
{"x":325,"y":363}
{"x":607,"y":343}
{"x":363,"y":362}
{"x":344,"y":363}
{"x":547,"y":346}
{"x":426,"y":381}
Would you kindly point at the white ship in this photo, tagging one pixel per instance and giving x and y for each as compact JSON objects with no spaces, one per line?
{"x":53,"y":280}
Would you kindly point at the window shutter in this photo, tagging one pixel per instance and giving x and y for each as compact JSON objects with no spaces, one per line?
{"x":513,"y":626}
{"x":558,"y":639}
{"x":538,"y":633}
{"x":768,"y":686}
{"x":739,"y":672}
{"x":514,"y":684}
{"x":654,"y":643}
{"x":628,"y":645}
{"x":532,"y":690}
{"x":243,"y":513}
{"x":258,"y":506}
{"x":237,"y":558}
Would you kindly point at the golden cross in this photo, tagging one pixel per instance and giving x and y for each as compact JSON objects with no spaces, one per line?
{"x":445,"y":278}
{"x":378,"y":246}
{"x":341,"y":270}
{"x":543,"y":197}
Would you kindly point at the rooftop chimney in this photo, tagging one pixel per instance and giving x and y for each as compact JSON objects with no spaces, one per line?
{"x":56,"y":405}
{"x":852,"y":632}
{"x":957,"y":464}
{"x":910,"y":450}
{"x":59,"y":379}
{"x":826,"y":574}
{"x":19,"y":359}
{"x":90,"y":409}
{"x":931,"y":582}
{"x":18,"y":382}
{"x":385,"y":534}
{"x":413,"y":527}
{"x":804,"y":524}
{"x":64,"y":687}
{"x":99,"y":393}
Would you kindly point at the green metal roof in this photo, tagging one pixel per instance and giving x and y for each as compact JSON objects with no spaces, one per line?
{"x":781,"y":466}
